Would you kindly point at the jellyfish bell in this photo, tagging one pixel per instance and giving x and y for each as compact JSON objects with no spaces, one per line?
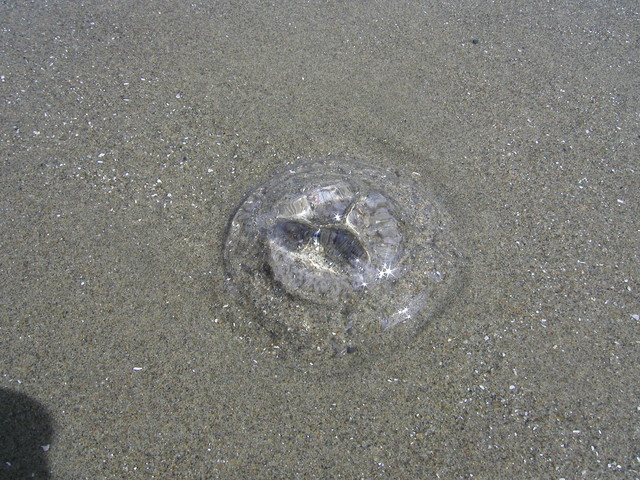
{"x":335,"y":253}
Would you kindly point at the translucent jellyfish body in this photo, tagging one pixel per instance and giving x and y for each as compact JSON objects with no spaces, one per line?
{"x":335,"y":253}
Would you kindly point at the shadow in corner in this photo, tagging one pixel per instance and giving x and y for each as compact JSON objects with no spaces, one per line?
{"x":26,"y":432}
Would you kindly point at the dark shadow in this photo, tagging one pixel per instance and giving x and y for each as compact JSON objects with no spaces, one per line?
{"x":26,"y":432}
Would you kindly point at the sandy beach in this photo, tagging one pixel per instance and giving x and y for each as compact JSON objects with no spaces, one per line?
{"x":131,"y":132}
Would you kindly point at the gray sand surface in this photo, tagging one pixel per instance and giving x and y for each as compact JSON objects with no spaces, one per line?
{"x":130,"y":132}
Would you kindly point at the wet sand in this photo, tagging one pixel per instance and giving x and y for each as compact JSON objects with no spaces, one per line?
{"x":131,"y":131}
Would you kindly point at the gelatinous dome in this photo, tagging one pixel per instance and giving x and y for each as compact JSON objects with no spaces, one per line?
{"x":336,"y":252}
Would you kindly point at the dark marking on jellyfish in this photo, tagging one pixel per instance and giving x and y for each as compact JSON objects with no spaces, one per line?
{"x":293,"y":235}
{"x":341,"y":245}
